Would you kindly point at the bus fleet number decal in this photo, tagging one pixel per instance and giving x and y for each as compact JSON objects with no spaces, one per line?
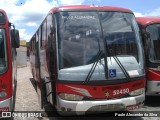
{"x":121,"y":91}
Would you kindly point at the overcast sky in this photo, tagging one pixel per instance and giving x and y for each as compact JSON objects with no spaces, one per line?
{"x":28,"y":14}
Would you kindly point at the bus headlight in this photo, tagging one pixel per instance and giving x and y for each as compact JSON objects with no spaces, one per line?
{"x":71,"y":97}
{"x":3,"y":94}
{"x":137,"y":92}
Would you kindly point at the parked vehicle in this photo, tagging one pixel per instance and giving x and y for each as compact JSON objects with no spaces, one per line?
{"x":88,"y":58}
{"x":150,"y":29}
{"x":9,"y":41}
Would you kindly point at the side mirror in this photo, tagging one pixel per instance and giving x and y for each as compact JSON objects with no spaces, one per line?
{"x":15,"y":38}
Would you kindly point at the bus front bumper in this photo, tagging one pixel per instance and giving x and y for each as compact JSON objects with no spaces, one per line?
{"x":6,"y":105}
{"x":153,"y":88}
{"x":83,"y":107}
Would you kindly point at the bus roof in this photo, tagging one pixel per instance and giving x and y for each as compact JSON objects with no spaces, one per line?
{"x":145,"y":21}
{"x":90,"y":7}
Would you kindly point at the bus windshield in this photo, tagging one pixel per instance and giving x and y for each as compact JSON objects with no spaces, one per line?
{"x":81,"y":36}
{"x":3,"y":56}
{"x":154,"y":54}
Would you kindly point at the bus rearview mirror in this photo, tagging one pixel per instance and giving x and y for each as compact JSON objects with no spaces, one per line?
{"x":15,"y":38}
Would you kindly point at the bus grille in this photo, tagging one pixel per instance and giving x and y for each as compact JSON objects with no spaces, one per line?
{"x":109,"y":107}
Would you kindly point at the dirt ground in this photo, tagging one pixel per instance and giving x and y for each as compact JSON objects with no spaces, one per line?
{"x":26,"y":96}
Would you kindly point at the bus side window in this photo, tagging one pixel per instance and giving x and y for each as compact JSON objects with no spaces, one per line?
{"x":1,"y":46}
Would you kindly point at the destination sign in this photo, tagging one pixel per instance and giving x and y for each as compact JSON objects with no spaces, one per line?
{"x":78,"y":17}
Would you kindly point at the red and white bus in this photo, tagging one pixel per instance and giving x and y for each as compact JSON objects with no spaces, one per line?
{"x":9,"y":41}
{"x":88,"y":58}
{"x":150,"y":29}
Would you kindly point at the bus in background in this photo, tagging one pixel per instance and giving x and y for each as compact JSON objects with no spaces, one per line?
{"x":88,"y":58}
{"x":150,"y":29}
{"x":9,"y":41}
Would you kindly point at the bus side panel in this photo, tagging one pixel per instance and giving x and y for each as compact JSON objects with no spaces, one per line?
{"x":14,"y":77}
{"x":153,"y":75}
{"x":48,"y":62}
{"x":153,"y":82}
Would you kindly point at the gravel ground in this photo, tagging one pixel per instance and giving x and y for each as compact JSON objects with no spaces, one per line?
{"x":27,"y":100}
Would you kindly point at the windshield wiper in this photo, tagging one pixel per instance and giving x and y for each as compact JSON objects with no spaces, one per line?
{"x":98,"y":56}
{"x":122,"y":67}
